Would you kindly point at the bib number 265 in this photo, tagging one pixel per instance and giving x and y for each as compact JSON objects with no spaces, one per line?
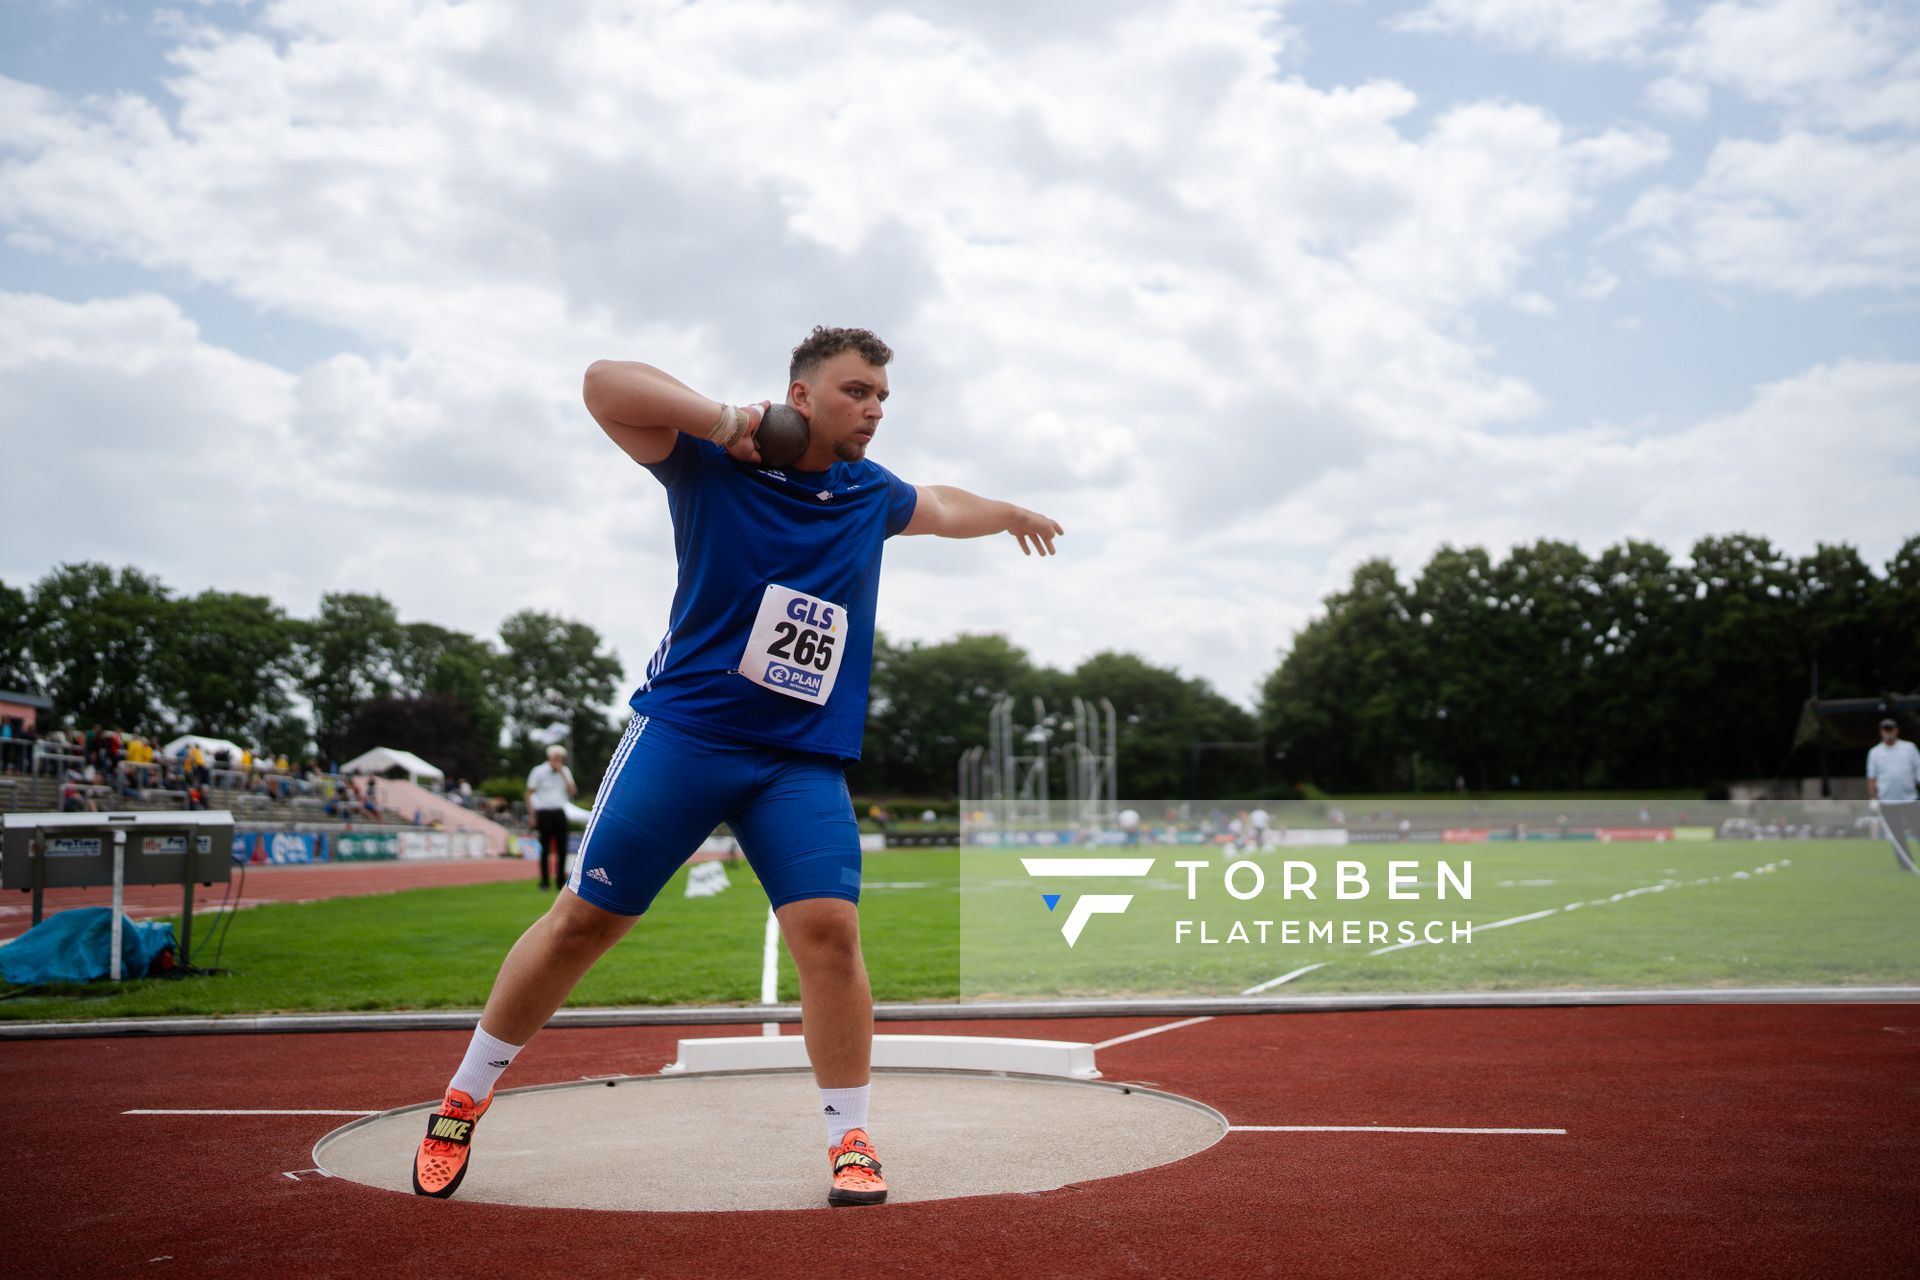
{"x":796,"y":644}
{"x":803,"y":645}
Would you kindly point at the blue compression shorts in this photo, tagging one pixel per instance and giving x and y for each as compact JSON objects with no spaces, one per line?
{"x":668,"y":788}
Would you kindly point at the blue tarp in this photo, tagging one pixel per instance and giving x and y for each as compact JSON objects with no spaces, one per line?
{"x":72,"y":946}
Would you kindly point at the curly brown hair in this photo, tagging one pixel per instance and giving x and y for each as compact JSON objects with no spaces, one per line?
{"x":823,"y":343}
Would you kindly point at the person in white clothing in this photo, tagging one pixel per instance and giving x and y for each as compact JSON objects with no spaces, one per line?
{"x":1261,"y":823}
{"x":1893,"y":781}
{"x":549,"y":789}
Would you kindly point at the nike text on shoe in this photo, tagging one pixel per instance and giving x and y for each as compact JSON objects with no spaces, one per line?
{"x":856,"y":1172}
{"x":441,"y":1162}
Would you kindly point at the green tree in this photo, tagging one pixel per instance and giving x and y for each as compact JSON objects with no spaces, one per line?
{"x":16,"y":665}
{"x":1897,"y":612}
{"x":433,"y":660}
{"x":350,"y":653}
{"x":1346,"y":706}
{"x":1159,"y":716}
{"x":94,"y":638}
{"x":1636,"y":719}
{"x":227,"y":666}
{"x":556,"y":671}
{"x":438,"y":727}
{"x":1748,"y":678}
{"x":931,"y":702}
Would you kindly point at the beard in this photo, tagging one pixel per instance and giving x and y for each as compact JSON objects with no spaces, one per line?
{"x":849,"y":450}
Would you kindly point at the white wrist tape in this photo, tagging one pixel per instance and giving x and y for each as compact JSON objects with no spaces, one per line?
{"x":731,"y":426}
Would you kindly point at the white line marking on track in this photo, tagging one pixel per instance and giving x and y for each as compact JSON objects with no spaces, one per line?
{"x":1271,"y":983}
{"x":1153,"y":1031}
{"x":1380,"y":1128}
{"x":295,"y":1173}
{"x":234,"y":1111}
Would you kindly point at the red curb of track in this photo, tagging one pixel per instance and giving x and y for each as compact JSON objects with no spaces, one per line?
{"x":1723,"y":1140}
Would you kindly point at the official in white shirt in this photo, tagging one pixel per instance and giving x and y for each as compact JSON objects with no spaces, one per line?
{"x":1893,"y":780}
{"x":549,"y":788}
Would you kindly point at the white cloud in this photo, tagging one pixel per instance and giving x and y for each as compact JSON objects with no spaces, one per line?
{"x":1588,"y":29}
{"x":1676,"y":96}
{"x":1853,"y":64}
{"x":1803,"y":215}
{"x":1596,"y":284}
{"x":1217,"y":321}
{"x":1749,"y":470}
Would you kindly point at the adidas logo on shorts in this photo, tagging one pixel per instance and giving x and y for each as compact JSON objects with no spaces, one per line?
{"x":597,"y":874}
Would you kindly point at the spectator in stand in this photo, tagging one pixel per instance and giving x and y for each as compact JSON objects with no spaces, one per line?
{"x":52,"y":745}
{"x":72,"y":799}
{"x":466,"y":794}
{"x":549,"y":788}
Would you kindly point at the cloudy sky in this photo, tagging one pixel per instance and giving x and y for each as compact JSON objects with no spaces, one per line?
{"x":295,"y":297}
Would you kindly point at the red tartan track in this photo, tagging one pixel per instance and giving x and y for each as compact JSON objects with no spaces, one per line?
{"x":1717,"y":1140}
{"x":271,"y":882}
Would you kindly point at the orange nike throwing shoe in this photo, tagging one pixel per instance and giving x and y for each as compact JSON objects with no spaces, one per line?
{"x":856,"y":1173}
{"x":441,"y":1161}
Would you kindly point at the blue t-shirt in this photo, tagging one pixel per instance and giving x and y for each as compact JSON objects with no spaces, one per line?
{"x":739,"y":530}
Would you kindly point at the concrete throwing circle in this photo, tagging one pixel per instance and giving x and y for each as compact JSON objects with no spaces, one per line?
{"x":754,"y":1140}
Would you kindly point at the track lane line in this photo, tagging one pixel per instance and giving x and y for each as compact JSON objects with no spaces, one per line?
{"x":235,"y":1111}
{"x":1154,"y":1031}
{"x":1384,"y":1128}
{"x":1271,"y":983}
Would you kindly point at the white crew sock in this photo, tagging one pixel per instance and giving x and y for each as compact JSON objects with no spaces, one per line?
{"x":486,"y":1059}
{"x":844,"y":1109}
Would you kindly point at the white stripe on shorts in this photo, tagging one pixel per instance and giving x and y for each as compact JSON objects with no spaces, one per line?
{"x":635,"y":727}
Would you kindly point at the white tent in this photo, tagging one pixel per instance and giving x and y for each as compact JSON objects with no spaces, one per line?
{"x":187,"y":741}
{"x":381,"y":759}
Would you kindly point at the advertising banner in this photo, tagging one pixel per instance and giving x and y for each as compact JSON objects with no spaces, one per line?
{"x":1310,"y":837}
{"x":356,"y":846}
{"x":289,"y":846}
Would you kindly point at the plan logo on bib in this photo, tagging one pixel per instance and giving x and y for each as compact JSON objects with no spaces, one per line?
{"x":1087,"y":905}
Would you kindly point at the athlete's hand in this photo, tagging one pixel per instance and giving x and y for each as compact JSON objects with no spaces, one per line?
{"x":1034,"y":531}
{"x":746,"y":448}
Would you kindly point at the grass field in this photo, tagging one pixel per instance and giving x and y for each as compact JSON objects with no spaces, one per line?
{"x":439,"y":949}
{"x":937,"y":927}
{"x":1733,"y":913}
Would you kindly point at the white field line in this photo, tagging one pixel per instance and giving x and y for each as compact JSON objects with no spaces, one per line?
{"x":1153,"y":1031}
{"x":1384,"y":1128}
{"x":231,"y":1111}
{"x":1271,"y":983}
{"x":1622,"y":896}
{"x":1497,"y":924}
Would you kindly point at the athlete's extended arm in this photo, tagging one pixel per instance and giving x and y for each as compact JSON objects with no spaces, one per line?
{"x":954,"y":513}
{"x":640,"y":408}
